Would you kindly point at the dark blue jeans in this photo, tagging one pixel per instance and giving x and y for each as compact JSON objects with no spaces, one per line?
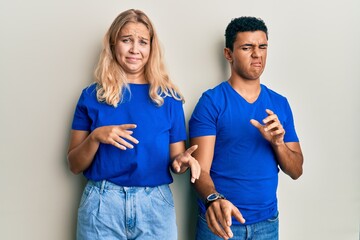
{"x":265,"y":230}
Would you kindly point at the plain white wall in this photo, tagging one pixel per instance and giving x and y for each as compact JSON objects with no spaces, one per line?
{"x":48,"y":50}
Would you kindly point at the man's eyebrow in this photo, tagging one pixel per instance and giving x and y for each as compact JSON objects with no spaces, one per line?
{"x":247,"y":45}
{"x":252,"y":45}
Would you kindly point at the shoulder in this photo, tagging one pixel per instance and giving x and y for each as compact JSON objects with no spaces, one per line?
{"x":272,"y":94}
{"x":88,"y":95}
{"x":172,"y":101}
{"x":90,"y":90}
{"x":217,"y":91}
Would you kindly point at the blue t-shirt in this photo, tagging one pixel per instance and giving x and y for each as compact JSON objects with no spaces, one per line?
{"x":244,"y":167}
{"x":147,"y":164}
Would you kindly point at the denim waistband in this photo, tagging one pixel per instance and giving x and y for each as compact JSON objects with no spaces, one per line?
{"x":104,"y":184}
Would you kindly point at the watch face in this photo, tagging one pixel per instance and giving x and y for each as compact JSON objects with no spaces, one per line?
{"x":213,"y":197}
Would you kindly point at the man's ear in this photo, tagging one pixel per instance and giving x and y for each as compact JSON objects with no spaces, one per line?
{"x":228,"y":54}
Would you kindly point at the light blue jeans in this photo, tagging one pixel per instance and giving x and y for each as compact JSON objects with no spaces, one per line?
{"x":265,"y":230}
{"x":108,"y":211}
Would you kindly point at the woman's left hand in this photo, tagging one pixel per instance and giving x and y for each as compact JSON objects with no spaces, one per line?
{"x":185,"y":160}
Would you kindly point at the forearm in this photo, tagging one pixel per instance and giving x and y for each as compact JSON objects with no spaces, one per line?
{"x":289,"y":159}
{"x":204,"y":186}
{"x":176,"y":150}
{"x":80,"y":157}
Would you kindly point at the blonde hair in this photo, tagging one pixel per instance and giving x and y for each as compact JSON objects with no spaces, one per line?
{"x":110,"y":76}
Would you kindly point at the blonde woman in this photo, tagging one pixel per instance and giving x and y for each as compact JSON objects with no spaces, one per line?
{"x":128,"y":131}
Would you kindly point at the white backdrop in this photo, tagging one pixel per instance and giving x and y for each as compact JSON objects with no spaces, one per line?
{"x":48,"y":50}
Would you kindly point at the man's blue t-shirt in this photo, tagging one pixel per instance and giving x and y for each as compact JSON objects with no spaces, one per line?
{"x":244,"y":167}
{"x":147,"y":164}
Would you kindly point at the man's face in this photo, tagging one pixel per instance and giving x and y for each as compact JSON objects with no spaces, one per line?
{"x":248,"y":57}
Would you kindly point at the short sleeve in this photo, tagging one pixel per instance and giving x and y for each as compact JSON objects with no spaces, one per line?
{"x":290,"y":133}
{"x":81,"y":120}
{"x":204,"y":118}
{"x":178,"y":128}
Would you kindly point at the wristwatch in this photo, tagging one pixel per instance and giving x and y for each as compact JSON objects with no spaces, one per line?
{"x":213,"y":197}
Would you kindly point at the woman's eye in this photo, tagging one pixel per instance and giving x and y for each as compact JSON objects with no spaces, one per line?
{"x":143,"y":43}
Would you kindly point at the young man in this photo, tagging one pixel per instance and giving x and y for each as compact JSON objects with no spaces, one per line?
{"x":245,"y":132}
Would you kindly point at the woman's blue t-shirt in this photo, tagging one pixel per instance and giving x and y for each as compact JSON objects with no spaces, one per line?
{"x":147,"y":164}
{"x":244,"y":167}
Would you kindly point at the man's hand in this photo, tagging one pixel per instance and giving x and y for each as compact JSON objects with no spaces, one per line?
{"x":272,"y":131}
{"x":218,"y":217}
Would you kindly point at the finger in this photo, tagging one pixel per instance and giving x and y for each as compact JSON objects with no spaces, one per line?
{"x":118,"y":145}
{"x":176,"y":166}
{"x":127,"y":126}
{"x":278,"y":132}
{"x":238,"y":216}
{"x":271,"y":118}
{"x":191,"y":149}
{"x":227,"y":222}
{"x":127,"y":136}
{"x":132,"y":139}
{"x":256,"y":124}
{"x":122,"y":142}
{"x":213,"y":223}
{"x":195,"y":170}
{"x":272,"y":126}
{"x":223,"y":213}
{"x":268,"y":111}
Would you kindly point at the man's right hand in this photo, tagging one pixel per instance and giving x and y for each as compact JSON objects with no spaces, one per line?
{"x":218,"y":217}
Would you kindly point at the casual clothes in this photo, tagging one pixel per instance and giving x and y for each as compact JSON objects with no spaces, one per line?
{"x":244,"y":168}
{"x":147,"y":164}
{"x":128,"y":194}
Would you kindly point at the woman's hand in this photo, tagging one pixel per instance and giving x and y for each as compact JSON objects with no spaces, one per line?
{"x":116,"y":135}
{"x":185,"y":160}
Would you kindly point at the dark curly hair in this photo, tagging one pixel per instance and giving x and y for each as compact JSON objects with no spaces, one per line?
{"x":243,"y":24}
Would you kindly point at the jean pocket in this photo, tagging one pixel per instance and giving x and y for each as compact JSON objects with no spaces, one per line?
{"x":86,"y":194}
{"x":166,"y":194}
{"x":274,"y":218}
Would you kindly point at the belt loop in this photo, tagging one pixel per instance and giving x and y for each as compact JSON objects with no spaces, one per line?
{"x":102,"y":186}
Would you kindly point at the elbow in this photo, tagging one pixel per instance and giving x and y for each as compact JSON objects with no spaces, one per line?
{"x":75,"y":170}
{"x":296,"y":175}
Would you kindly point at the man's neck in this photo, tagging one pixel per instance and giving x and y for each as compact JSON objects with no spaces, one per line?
{"x":248,"y":89}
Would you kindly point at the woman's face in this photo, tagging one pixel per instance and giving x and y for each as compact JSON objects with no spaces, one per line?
{"x":132,"y":48}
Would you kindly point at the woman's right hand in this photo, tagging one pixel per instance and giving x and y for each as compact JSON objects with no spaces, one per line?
{"x":116,"y":135}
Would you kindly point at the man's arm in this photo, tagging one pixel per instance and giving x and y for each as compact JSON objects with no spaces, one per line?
{"x":218,"y":214}
{"x":288,"y":155}
{"x":290,"y":158}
